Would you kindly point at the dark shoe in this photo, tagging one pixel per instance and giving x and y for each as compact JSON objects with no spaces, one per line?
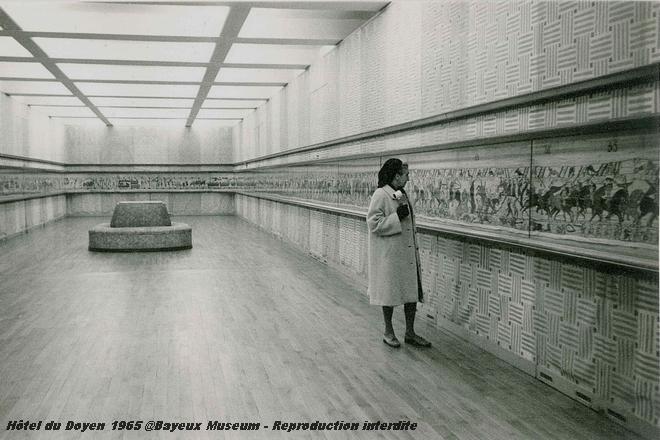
{"x":417,"y":341}
{"x":392,"y":341}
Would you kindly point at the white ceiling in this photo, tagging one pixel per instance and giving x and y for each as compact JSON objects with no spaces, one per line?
{"x":164,"y":63}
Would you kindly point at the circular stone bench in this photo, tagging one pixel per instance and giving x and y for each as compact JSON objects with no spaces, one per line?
{"x":140,"y":226}
{"x":103,"y":237}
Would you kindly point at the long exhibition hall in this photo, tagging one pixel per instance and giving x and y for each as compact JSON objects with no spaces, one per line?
{"x":200,"y":212}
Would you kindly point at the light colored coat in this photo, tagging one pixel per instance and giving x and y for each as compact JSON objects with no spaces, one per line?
{"x":393,"y":254}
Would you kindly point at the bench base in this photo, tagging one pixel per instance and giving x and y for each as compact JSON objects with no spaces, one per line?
{"x":103,"y":238}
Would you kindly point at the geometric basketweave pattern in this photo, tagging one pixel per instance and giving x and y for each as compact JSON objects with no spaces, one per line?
{"x":595,"y":328}
{"x":592,"y":326}
{"x":420,"y":59}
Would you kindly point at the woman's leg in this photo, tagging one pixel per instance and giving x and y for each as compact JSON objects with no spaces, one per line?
{"x":410,"y":309}
{"x":388,"y":311}
{"x":389,"y":338}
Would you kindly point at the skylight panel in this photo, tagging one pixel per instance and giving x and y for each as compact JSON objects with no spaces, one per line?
{"x":276,"y":23}
{"x":118,"y":18}
{"x":67,"y":101}
{"x":12,"y":48}
{"x":237,"y":103}
{"x":227,"y":74}
{"x":138,"y":90}
{"x":142,"y":102}
{"x":149,"y":122}
{"x":24,"y":70}
{"x":132,"y":112}
{"x":274,"y":54}
{"x":249,"y":92}
{"x":213,"y":113}
{"x":132,"y":73}
{"x":33,"y":88}
{"x":126,"y":50}
{"x":64,"y":111}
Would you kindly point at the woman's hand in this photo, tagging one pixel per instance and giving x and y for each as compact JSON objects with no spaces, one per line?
{"x":403,"y":211}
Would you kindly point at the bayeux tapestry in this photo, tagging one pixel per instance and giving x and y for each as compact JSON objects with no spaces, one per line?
{"x":598,"y":189}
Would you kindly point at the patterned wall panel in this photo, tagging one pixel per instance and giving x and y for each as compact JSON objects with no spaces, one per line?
{"x":576,"y":321}
{"x":403,"y":38}
{"x":273,"y":139}
{"x":440,"y":57}
{"x":284,"y":123}
{"x":350,"y":95}
{"x":246,"y":140}
{"x":373,"y":75}
{"x":304,"y":127}
{"x":258,"y":132}
{"x":320,"y":97}
{"x":318,"y":114}
{"x":293,"y":114}
{"x":633,"y":101}
{"x":332,"y":127}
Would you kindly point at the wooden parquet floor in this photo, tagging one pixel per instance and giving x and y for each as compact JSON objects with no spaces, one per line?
{"x":241,"y":328}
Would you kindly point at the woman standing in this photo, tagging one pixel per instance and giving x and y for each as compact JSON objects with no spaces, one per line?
{"x":394,"y":275}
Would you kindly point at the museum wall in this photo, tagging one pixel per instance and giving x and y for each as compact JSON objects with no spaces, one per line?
{"x":28,"y":134}
{"x":22,"y":215}
{"x":531,"y":131}
{"x":177,"y":203}
{"x":96,"y":166}
{"x":417,"y":60}
{"x":32,"y":150}
{"x":145,"y":145}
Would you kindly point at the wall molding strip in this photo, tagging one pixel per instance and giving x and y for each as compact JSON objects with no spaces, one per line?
{"x":23,"y":197}
{"x":150,"y":168}
{"x":29,"y":164}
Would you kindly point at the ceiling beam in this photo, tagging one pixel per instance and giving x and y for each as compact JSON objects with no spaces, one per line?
{"x":289,"y":41}
{"x":265,"y":66}
{"x":362,"y":5}
{"x":7,"y":23}
{"x":154,"y":82}
{"x":238,"y":99}
{"x":160,"y":117}
{"x":48,"y":95}
{"x":233,"y":24}
{"x":152,"y":63}
{"x":159,"y":108}
{"x":170,"y":38}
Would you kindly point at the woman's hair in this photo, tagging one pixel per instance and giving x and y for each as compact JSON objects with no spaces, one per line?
{"x":389,"y":170}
